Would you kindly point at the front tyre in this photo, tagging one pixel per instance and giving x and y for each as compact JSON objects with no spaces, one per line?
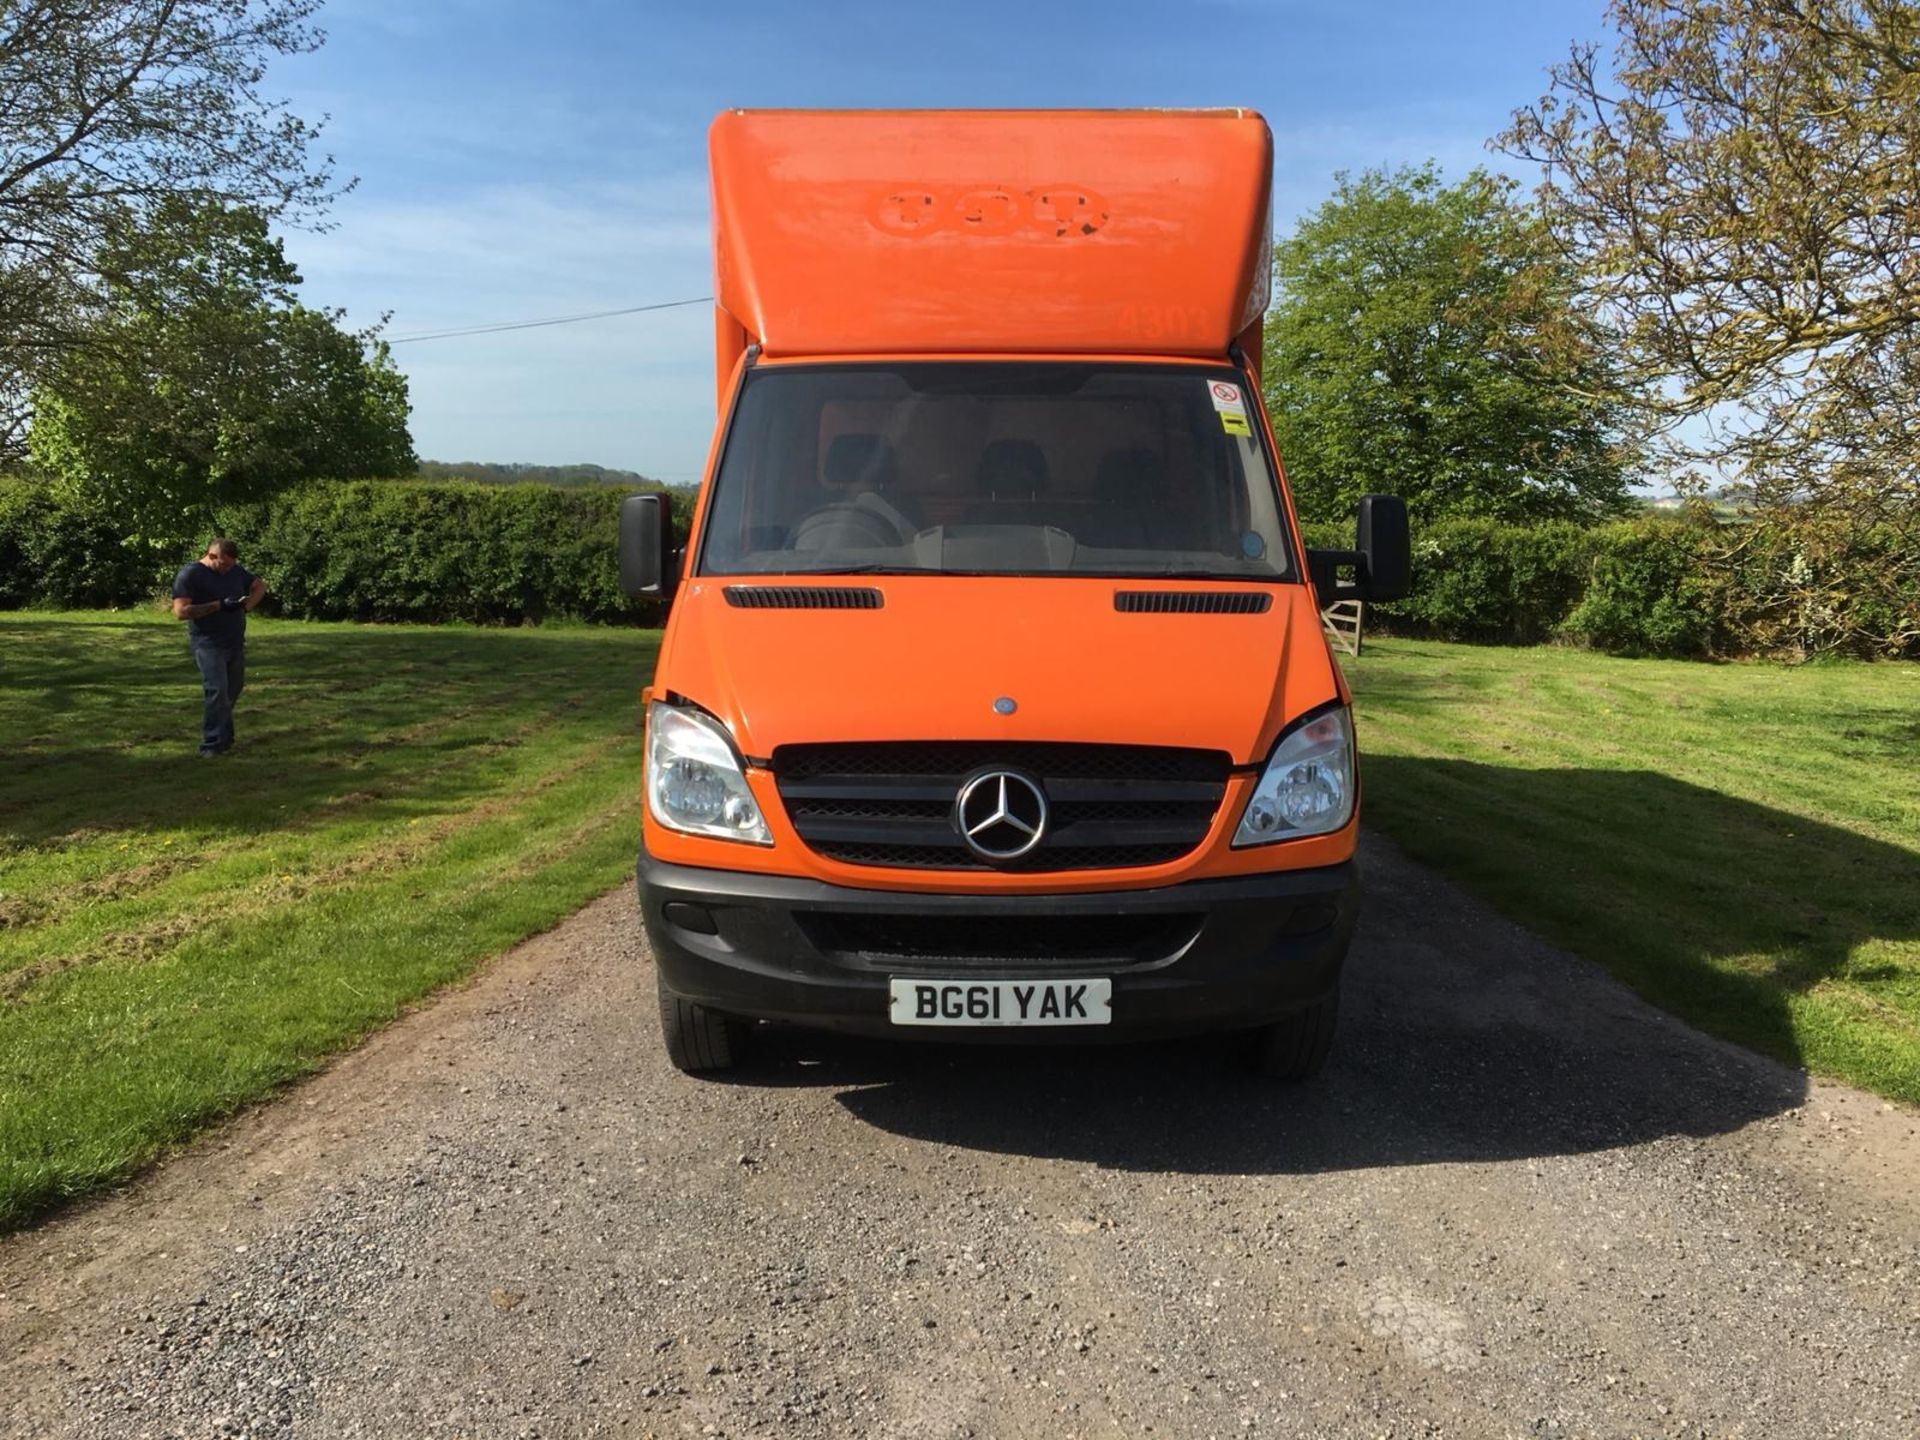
{"x":1296,"y":1048}
{"x":699,"y":1041}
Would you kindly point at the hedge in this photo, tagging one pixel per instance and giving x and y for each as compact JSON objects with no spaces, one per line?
{"x":1511,"y":584}
{"x":513,"y":554}
{"x":1680,"y":586}
{"x":376,"y":550}
{"x":351,"y":550}
{"x":1650,"y":590}
{"x":52,"y":554}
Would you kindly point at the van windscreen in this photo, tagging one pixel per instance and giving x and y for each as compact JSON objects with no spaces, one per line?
{"x":995,"y":468}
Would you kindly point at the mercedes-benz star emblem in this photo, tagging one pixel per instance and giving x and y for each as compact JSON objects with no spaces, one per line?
{"x":1001,"y":814}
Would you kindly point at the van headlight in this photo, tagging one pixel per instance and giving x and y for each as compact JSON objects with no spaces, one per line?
{"x":1308,"y":787}
{"x":694,"y":780}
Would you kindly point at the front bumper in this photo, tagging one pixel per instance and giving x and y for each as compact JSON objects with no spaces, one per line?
{"x":1184,"y":959}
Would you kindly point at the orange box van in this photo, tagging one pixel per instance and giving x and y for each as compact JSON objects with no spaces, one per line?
{"x":994,"y":701}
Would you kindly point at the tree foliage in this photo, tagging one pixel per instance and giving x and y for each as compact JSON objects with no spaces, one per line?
{"x":110,"y":109}
{"x":1742,"y":191}
{"x":1422,"y":341}
{"x":202,"y":380}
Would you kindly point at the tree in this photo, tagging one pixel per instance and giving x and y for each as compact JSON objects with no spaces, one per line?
{"x":1422,"y":342}
{"x":1743,"y":195}
{"x":203,"y":379}
{"x":108,"y":109}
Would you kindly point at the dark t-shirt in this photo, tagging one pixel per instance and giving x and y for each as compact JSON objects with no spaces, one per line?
{"x":197,"y":584}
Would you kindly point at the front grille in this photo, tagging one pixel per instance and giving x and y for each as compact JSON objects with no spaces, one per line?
{"x":1032,"y":942}
{"x":891,"y":803}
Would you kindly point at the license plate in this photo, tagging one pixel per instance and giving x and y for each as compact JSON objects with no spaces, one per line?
{"x":1001,"y":1002}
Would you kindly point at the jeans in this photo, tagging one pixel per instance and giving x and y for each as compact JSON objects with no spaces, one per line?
{"x":223,"y":675}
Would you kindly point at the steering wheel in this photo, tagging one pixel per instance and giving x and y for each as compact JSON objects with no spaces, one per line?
{"x":842,"y":525}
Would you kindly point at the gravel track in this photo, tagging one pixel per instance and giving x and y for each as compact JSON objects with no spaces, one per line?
{"x":1519,"y":1203}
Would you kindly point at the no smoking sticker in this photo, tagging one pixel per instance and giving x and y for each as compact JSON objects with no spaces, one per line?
{"x":1231,"y":406}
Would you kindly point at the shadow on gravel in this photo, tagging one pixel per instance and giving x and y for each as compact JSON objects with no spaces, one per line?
{"x":1462,"y":1038}
{"x":1394,"y":1094}
{"x":1389,"y":1097}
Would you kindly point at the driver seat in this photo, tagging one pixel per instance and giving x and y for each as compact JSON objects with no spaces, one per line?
{"x":859,"y":514}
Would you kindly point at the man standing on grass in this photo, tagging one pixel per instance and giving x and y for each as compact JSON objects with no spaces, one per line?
{"x":213,"y":595}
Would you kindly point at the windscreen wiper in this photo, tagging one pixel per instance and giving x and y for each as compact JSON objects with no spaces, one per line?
{"x":866,"y":570}
{"x":1176,"y":572}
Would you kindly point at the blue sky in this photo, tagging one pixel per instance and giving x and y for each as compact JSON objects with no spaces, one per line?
{"x":518,"y":161}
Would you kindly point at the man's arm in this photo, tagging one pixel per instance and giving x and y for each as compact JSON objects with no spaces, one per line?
{"x":185,"y":609}
{"x":256,"y":592}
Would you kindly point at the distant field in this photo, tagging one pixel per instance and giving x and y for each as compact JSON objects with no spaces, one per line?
{"x":179,"y":936}
{"x":1739,"y":843}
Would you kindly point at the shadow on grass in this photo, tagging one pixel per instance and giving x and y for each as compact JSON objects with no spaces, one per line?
{"x":1465,"y":1038}
{"x":1714,"y":907}
{"x":103,"y":721}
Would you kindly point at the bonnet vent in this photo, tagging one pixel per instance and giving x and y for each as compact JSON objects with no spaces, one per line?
{"x":803,"y":597}
{"x":1193,"y":602}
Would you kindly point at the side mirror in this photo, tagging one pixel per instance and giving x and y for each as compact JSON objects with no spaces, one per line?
{"x":647,"y":568}
{"x":1381,"y":534}
{"x":1382,"y":557}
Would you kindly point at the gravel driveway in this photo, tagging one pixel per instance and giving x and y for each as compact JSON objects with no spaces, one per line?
{"x":1519,"y":1203}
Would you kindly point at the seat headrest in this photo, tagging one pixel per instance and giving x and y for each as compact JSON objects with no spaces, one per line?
{"x":859,"y":462}
{"x":1012,"y":467}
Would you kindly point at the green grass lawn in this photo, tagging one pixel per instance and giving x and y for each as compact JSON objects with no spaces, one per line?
{"x":1739,"y":843}
{"x":179,"y":936}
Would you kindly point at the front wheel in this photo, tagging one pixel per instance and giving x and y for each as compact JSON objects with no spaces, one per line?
{"x":1296,"y":1048}
{"x":699,"y":1041}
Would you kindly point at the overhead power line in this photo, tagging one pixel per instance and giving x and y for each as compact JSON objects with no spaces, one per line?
{"x":555,"y":320}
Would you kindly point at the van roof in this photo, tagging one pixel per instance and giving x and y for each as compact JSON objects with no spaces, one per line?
{"x":840,"y":232}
